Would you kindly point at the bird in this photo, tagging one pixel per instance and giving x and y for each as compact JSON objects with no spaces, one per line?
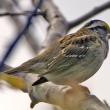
{"x":73,"y":58}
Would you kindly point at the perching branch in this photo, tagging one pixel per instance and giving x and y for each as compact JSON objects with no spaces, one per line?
{"x":89,"y":14}
{"x":68,"y":98}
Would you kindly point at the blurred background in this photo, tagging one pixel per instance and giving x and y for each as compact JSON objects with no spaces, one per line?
{"x":71,"y":9}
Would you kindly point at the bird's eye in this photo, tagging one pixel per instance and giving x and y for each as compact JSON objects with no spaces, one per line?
{"x":102,"y":31}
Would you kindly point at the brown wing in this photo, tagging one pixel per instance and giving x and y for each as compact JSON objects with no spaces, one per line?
{"x":71,"y":50}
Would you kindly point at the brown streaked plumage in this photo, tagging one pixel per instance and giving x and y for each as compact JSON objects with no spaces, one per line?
{"x":73,"y":58}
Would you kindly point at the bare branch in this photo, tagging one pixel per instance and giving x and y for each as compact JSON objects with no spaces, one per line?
{"x":57,"y":23}
{"x":33,"y":43}
{"x":25,"y":13}
{"x":29,"y":20}
{"x":90,"y":14}
{"x":68,"y":98}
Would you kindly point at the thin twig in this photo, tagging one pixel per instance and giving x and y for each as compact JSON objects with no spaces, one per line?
{"x":13,"y":44}
{"x":29,"y":37}
{"x":25,"y":13}
{"x":90,"y":14}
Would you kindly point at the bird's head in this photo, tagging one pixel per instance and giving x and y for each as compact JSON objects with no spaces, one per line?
{"x":100,"y":27}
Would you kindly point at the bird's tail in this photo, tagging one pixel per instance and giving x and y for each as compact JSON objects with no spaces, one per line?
{"x":13,"y":70}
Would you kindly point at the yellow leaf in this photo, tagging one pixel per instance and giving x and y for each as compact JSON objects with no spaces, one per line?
{"x":14,"y":81}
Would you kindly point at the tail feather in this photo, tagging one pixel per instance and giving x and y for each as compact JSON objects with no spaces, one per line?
{"x":13,"y":70}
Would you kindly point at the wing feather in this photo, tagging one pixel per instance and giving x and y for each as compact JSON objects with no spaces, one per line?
{"x":75,"y":50}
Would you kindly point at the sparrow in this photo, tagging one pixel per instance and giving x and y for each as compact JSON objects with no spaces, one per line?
{"x":73,"y":58}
